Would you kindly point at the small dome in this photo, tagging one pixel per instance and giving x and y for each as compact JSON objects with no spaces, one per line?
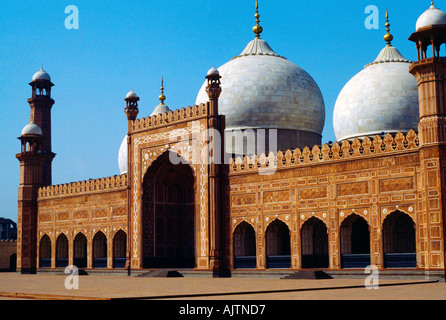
{"x":161,"y":108}
{"x":131,"y":94}
{"x":381,"y":98}
{"x":41,"y":75}
{"x":31,"y":129}
{"x":213,"y":71}
{"x":431,"y":17}
{"x":122,"y":156}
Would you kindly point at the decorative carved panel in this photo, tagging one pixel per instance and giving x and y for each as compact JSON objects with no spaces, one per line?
{"x":276,"y":196}
{"x":349,"y":189}
{"x":396,"y":184}
{"x":313,"y":193}
{"x":243,"y":199}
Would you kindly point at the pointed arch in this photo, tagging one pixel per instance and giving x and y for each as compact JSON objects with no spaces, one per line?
{"x":119,"y":249}
{"x":244,"y":246}
{"x":399,"y":243}
{"x":80,"y":250}
{"x":45,"y":252}
{"x":355,"y":242}
{"x":278,"y":245}
{"x":99,"y":250}
{"x":61,"y":251}
{"x":314,"y":243}
{"x":169,"y":213}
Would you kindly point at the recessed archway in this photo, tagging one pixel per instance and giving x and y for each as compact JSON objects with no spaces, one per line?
{"x":355,"y":242}
{"x":119,"y":249}
{"x":61,"y":251}
{"x":244,"y":246}
{"x":314,"y":235}
{"x":99,"y":250}
{"x":45,"y":252}
{"x":169,"y":215}
{"x":278,"y":245}
{"x":80,"y":251}
{"x":399,"y":242}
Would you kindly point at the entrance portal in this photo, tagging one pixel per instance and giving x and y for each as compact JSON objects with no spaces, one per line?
{"x":168,"y":215}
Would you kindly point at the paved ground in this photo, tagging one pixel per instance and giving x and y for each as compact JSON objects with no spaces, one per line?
{"x":50,"y":286}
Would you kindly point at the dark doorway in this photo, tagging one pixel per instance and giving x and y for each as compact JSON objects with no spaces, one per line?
{"x":278,"y":245}
{"x":314,"y":237}
{"x":355,"y":242}
{"x":99,"y":250}
{"x":399,"y":241}
{"x":119,"y":249}
{"x":61,"y":251}
{"x":80,"y":251}
{"x":13,"y":262}
{"x":168,"y":215}
{"x":244,"y":246}
{"x":45,"y":252}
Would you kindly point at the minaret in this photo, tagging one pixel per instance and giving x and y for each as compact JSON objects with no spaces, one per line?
{"x":430,"y":72}
{"x":41,"y":104}
{"x":32,"y":162}
{"x":131,"y":110}
{"x":131,"y":107}
{"x":216,"y":151}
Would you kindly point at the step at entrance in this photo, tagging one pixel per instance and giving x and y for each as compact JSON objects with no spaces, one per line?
{"x":161,"y":274}
{"x":308,"y":274}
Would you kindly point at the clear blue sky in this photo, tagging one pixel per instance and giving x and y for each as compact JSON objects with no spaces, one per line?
{"x":123,"y":45}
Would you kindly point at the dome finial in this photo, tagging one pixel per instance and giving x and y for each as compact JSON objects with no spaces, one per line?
{"x":388,"y":37}
{"x":257,"y":28}
{"x":162,"y":97}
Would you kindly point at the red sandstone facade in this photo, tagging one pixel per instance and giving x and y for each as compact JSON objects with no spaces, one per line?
{"x":376,"y":201}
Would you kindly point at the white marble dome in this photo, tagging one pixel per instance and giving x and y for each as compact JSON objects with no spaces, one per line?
{"x":262,"y":90}
{"x":131,"y":94}
{"x":381,"y":98}
{"x":160,"y":109}
{"x":431,"y":17}
{"x":32,"y":129}
{"x":122,"y":156}
{"x":41,"y":75}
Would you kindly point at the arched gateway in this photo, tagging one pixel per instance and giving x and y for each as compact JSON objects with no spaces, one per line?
{"x":168,"y":215}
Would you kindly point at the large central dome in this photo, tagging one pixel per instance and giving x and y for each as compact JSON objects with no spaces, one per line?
{"x":263,"y":90}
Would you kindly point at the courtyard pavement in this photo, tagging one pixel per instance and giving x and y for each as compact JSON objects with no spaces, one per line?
{"x":107,"y":287}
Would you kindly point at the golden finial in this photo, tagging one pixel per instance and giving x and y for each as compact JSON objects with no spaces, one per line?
{"x":388,"y":37}
{"x":162,"y":97}
{"x":257,"y":28}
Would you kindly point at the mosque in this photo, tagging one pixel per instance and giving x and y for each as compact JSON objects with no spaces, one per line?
{"x":373,"y":197}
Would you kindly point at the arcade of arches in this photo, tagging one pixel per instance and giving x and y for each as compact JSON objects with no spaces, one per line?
{"x":174,"y":240}
{"x":398,"y":242}
{"x":79,"y":253}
